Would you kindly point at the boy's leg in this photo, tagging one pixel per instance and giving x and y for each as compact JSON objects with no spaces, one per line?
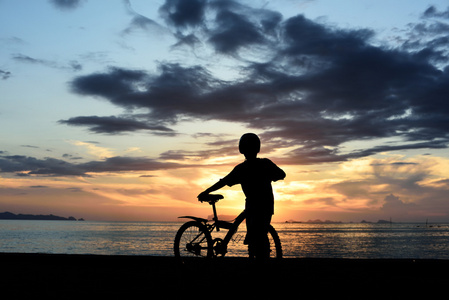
{"x":257,"y":235}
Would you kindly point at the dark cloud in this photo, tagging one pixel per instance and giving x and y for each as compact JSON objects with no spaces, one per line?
{"x":140,"y":22}
{"x":27,"y":59}
{"x":113,"y":125}
{"x":66,"y":4}
{"x":183,"y":13}
{"x":315,"y":87}
{"x":174,"y":92}
{"x":116,"y":83}
{"x":72,"y":65}
{"x":428,"y":38}
{"x":233,"y":32}
{"x":433,"y":12}
{"x":33,"y":166}
{"x":189,"y":40}
{"x":25,"y":166}
{"x":5,"y":74}
{"x":238,"y":27}
{"x":70,"y":156}
{"x":312,"y":154}
{"x":228,"y":26}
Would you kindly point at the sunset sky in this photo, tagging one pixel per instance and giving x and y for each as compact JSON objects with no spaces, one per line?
{"x":127,"y":110}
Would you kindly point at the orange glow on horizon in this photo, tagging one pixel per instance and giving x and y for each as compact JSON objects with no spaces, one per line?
{"x":355,"y":188}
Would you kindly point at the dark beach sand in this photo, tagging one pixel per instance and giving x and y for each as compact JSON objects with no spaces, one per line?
{"x":153,"y":277}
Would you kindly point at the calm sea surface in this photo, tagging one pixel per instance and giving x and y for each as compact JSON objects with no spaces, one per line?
{"x":397,"y":240}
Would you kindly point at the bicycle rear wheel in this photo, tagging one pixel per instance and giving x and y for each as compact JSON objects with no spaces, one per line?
{"x":275,"y":243}
{"x":193,"y":240}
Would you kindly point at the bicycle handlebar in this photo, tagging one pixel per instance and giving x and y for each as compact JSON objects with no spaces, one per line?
{"x":210,"y":198}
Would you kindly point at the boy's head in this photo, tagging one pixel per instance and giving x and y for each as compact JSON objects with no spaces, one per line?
{"x":249,"y":145}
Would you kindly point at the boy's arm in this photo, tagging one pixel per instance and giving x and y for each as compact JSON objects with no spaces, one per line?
{"x":230,"y":179}
{"x":276,"y":172}
{"x":279,"y":175}
{"x":213,"y":188}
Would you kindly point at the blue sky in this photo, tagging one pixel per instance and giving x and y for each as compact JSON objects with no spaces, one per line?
{"x":136,"y":106}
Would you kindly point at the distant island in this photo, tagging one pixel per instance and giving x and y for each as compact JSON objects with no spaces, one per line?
{"x":318,"y":221}
{"x":379,"y":222}
{"x":10,"y":216}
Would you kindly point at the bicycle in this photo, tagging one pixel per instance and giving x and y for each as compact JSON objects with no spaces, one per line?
{"x":194,"y":238}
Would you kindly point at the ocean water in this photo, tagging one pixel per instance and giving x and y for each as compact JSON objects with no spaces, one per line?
{"x":397,"y":240}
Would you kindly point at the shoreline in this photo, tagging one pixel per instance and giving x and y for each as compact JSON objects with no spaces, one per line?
{"x":61,"y":273}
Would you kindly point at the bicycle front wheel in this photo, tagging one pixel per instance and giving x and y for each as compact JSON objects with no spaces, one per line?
{"x":193,"y":240}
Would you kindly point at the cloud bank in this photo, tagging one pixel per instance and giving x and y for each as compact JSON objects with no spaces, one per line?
{"x":310,"y":85}
{"x":26,"y":166}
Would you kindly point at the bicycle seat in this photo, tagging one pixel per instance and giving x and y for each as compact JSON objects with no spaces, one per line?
{"x":211,"y":198}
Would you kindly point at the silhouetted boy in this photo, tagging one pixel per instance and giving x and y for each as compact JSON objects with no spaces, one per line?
{"x":255,"y":176}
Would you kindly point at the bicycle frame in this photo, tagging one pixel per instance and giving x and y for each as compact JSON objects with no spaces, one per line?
{"x":232,"y":227}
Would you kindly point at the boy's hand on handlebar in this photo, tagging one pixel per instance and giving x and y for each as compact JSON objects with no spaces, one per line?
{"x":202,"y":196}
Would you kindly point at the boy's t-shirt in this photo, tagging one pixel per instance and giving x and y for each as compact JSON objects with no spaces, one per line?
{"x":255,"y":177}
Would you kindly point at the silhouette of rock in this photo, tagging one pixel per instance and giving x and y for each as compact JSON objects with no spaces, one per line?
{"x":10,"y":216}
